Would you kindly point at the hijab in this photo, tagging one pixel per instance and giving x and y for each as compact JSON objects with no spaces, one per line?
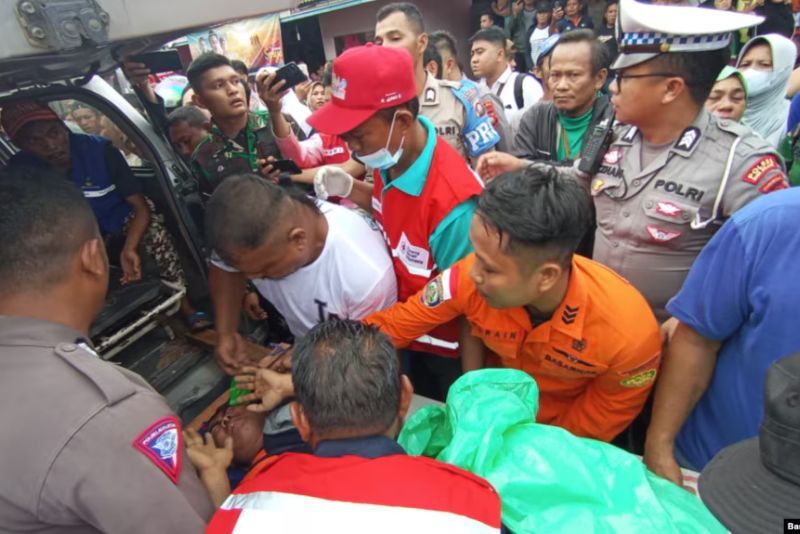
{"x":767,"y":107}
{"x":728,"y":72}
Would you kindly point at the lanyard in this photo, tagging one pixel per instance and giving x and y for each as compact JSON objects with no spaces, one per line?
{"x":565,"y":141}
{"x":250,"y":155}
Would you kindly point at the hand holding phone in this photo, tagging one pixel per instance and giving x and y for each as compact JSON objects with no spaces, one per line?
{"x":161,"y":61}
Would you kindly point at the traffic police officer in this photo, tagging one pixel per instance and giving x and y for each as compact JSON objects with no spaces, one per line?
{"x":673,"y":173}
{"x":86,"y":446}
{"x":457,"y":112}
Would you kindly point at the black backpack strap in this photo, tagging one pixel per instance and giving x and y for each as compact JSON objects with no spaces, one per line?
{"x":518,"y":97}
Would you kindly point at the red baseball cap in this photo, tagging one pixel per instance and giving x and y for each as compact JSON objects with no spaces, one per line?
{"x":18,"y":114}
{"x":365,"y":79}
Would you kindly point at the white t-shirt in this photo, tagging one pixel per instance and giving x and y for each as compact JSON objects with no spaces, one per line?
{"x":537,"y":36}
{"x":504,"y":89}
{"x":352,"y":277}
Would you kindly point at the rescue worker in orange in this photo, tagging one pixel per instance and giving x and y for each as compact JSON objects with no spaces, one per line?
{"x":585,"y":334}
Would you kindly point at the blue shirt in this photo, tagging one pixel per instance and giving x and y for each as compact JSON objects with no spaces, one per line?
{"x":794,"y":114}
{"x":742,"y":290}
{"x":449,"y":242}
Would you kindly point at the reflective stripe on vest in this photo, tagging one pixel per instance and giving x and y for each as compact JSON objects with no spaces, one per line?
{"x":100,"y":193}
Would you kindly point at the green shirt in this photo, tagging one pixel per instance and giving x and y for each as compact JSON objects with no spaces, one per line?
{"x":573,"y":128}
{"x":449,"y":242}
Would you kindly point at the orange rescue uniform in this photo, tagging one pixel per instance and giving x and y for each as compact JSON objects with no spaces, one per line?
{"x":594,"y":360}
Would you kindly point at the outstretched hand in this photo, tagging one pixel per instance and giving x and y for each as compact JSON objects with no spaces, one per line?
{"x":269,"y":388}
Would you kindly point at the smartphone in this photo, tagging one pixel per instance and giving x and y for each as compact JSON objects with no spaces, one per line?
{"x":162,"y":61}
{"x":291,"y":73}
{"x":286,"y":165}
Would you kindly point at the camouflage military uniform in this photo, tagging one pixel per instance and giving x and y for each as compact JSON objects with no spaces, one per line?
{"x":219,"y":156}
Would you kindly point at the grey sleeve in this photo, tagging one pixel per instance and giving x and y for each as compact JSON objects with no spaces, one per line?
{"x":102,"y":479}
{"x":757,"y":170}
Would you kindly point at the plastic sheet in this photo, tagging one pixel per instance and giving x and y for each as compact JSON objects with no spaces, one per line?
{"x":548,"y":479}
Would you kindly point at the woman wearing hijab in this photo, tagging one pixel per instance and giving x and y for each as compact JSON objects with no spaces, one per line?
{"x":766,"y":62}
{"x":728,"y":97}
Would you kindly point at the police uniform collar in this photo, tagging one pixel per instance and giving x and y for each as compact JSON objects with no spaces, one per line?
{"x":628,"y":137}
{"x":29,"y":332}
{"x":430,"y":93}
{"x":689,"y":139}
{"x":569,"y":316}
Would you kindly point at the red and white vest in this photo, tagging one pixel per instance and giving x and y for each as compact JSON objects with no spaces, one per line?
{"x":334,"y":149}
{"x":396,"y":493}
{"x":408,"y":223}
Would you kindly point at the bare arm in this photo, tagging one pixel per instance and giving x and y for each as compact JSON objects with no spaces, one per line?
{"x":361,"y":195}
{"x":473,"y":351}
{"x":685,"y":375}
{"x":351,"y":167}
{"x":140,"y":222}
{"x":227,"y":291}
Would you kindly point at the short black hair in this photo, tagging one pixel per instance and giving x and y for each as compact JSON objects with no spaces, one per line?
{"x":188,"y":114}
{"x":493,"y":35}
{"x":600,"y":58}
{"x":202,"y":64}
{"x":486,"y":14}
{"x":346,"y":377}
{"x":44,"y":222}
{"x":444,"y":40}
{"x":410,"y":11}
{"x":243,"y":212}
{"x":536,"y":207}
{"x":432,"y":54}
{"x":240,"y":67}
{"x":699,"y":70}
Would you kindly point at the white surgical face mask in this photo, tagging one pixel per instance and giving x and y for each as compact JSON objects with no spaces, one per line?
{"x":758,"y":81}
{"x":383,"y":159}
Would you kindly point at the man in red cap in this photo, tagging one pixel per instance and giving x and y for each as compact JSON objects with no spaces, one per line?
{"x":125,"y":217}
{"x":424,"y":193}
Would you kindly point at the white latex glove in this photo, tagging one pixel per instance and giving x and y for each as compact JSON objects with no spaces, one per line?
{"x":332,"y":182}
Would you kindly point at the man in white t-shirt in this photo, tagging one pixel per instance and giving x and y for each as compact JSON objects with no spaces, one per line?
{"x":489,"y":62}
{"x":311,"y":259}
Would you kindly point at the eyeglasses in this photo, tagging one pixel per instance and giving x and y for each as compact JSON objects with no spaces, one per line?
{"x":622,"y":76}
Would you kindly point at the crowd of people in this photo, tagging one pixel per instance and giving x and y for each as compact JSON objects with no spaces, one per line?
{"x":602,"y":204}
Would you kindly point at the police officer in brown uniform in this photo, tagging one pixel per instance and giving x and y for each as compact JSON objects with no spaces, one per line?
{"x":674,"y":173}
{"x":86,"y":446}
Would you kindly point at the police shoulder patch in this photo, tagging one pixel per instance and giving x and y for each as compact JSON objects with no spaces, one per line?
{"x":760,"y":168}
{"x":162,"y":444}
{"x":776,"y":183}
{"x":637,"y":381}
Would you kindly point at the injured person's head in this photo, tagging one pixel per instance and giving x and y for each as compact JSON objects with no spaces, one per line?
{"x":246,"y":428}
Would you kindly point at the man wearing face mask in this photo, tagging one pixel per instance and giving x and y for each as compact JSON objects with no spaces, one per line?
{"x":424,"y":193}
